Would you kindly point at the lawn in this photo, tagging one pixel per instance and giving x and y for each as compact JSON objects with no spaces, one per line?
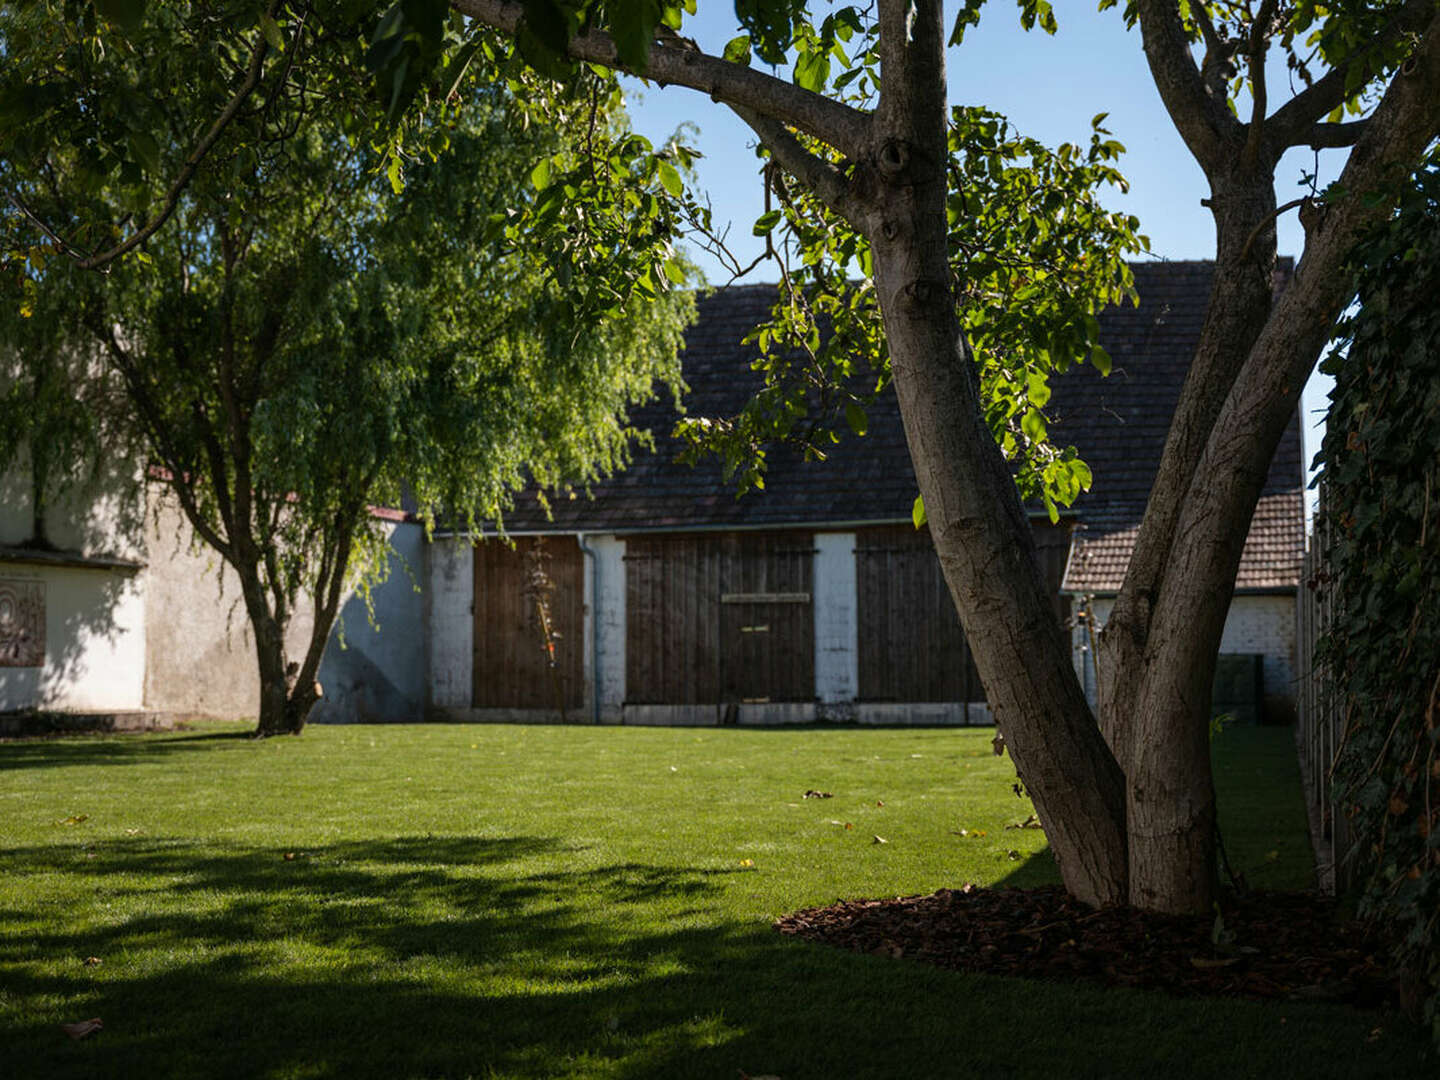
{"x":506,"y":901}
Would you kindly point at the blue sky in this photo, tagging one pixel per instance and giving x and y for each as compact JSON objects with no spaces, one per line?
{"x":1050,"y":88}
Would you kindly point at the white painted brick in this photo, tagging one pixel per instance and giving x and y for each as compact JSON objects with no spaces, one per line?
{"x":837,"y":625}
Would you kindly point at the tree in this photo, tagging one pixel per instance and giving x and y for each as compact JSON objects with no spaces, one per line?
{"x":865,"y":131}
{"x":301,"y":342}
{"x":1128,"y":807}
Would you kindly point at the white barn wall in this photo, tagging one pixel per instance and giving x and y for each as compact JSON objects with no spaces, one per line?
{"x":1257,"y":623}
{"x":450,"y":622}
{"x":837,"y":623}
{"x":605,"y":628}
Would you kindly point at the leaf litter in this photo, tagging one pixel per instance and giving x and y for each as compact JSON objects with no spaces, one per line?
{"x":1275,"y":945}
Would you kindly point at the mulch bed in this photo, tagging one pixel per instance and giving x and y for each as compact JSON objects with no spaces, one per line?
{"x":1266,"y":945}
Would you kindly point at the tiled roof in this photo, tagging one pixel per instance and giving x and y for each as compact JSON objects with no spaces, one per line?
{"x":1117,"y":423}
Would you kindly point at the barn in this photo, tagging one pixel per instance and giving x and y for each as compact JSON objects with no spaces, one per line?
{"x":665,"y":599}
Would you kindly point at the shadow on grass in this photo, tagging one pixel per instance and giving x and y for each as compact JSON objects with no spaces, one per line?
{"x":115,"y":748}
{"x":459,"y":956}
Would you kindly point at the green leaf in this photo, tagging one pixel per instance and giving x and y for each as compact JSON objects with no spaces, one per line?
{"x":737,"y":50}
{"x":670,"y":178}
{"x":271,"y":29}
{"x":766,"y":222}
{"x":1101,"y":359}
{"x":1033,"y":425}
{"x":1037,"y":388}
{"x":540,"y":175}
{"x":917,"y":511}
{"x":146,"y":150}
{"x":812,"y":69}
{"x":856,"y":418}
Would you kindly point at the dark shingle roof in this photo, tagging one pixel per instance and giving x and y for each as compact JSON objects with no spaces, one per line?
{"x":1118,"y":424}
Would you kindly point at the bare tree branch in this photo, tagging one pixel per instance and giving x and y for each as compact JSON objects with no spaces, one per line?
{"x":1259,"y":45}
{"x":828,"y":183}
{"x":832,"y":122}
{"x":1200,"y":117}
{"x":1336,"y":136}
{"x":1293,"y":124}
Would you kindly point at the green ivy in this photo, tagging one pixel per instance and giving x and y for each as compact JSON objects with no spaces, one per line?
{"x":1381,"y":530}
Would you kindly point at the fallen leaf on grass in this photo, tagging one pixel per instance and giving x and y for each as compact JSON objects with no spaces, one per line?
{"x":878,"y":840}
{"x":1031,"y":822}
{"x":82,"y":1028}
{"x":879,"y":802}
{"x":813,"y":794}
{"x":92,"y":961}
{"x":73,"y":819}
{"x":748,"y":864}
{"x":1014,"y":856}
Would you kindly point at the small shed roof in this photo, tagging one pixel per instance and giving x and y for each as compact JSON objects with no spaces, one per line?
{"x":1118,"y":424}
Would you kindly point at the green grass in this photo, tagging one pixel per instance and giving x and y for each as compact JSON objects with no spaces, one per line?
{"x":573,"y":902}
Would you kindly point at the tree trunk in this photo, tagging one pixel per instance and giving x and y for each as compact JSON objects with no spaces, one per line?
{"x":1162,"y":738}
{"x":980,"y":530}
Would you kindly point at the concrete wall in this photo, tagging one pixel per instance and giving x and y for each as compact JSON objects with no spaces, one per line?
{"x":1255,"y":624}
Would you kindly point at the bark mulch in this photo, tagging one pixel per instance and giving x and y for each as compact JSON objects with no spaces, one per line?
{"x":1266,"y":945}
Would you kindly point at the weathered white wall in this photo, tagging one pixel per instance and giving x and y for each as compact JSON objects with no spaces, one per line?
{"x":94,"y":617}
{"x":1256,"y":624}
{"x":94,"y":643}
{"x":837,"y":624}
{"x":605,"y":628}
{"x":374,"y":666}
{"x":450,"y":622}
{"x":1266,"y":625}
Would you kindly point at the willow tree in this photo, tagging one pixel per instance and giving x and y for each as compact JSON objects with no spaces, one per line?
{"x":312,"y":333}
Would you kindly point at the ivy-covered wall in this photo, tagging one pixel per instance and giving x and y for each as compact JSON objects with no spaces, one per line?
{"x":1381,"y":518}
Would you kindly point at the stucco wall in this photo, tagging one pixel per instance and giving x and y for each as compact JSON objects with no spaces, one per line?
{"x":374,"y":669}
{"x":94,"y":642}
{"x":201,"y":653}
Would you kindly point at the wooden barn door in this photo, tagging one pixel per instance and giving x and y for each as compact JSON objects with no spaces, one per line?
{"x":912,"y":648}
{"x":767,"y":618}
{"x":715,"y":618}
{"x":512,"y":664}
